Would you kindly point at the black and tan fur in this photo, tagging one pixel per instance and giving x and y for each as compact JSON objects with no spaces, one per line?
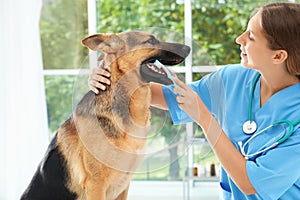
{"x":95,"y":152}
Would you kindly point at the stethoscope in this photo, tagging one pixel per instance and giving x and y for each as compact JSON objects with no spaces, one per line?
{"x":250,"y":126}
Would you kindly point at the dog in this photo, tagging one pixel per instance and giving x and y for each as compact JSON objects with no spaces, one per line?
{"x":95,"y":152}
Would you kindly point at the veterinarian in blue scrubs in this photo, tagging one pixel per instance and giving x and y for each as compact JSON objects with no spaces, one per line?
{"x":249,"y":112}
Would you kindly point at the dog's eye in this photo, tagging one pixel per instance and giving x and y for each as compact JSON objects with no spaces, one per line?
{"x":152,"y":41}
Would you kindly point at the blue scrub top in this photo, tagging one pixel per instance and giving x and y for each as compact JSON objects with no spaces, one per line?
{"x":275,"y":174}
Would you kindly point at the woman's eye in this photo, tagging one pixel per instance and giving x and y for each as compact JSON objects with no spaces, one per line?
{"x":251,"y":36}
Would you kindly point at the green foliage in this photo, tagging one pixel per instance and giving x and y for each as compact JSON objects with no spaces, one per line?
{"x":59,"y":91}
{"x":118,"y":15}
{"x":216,"y":26}
{"x":63,"y":24}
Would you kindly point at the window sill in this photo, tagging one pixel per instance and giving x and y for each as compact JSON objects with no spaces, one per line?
{"x":172,"y":190}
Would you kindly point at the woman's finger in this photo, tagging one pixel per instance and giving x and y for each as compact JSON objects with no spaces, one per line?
{"x":179,"y":90}
{"x":100,"y":71}
{"x":101,"y":64}
{"x":95,"y":85}
{"x":180,"y":99}
{"x":180,"y":83}
{"x":92,"y":87}
{"x":99,"y":78}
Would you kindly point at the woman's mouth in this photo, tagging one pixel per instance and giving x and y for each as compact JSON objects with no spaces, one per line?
{"x":243,"y":55}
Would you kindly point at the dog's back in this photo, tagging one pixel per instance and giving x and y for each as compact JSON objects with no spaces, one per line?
{"x":50,"y":179}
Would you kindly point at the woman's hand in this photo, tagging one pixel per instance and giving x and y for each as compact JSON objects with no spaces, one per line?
{"x":99,"y":78}
{"x":188,"y":100}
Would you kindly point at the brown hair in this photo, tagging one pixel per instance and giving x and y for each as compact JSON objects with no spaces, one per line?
{"x":281,"y":27}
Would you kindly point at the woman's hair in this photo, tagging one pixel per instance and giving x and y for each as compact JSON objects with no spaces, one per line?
{"x":281,"y":27}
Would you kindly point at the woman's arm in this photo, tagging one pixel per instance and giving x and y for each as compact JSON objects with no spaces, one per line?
{"x":230,"y":158}
{"x":157,"y":96}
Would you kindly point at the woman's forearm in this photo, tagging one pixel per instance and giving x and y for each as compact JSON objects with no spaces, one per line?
{"x":230,"y":158}
{"x":157,"y":96}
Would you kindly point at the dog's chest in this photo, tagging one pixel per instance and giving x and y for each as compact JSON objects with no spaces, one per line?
{"x":118,"y":185}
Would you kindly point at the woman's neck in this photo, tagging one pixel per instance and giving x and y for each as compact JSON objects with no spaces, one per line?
{"x":271,"y":85}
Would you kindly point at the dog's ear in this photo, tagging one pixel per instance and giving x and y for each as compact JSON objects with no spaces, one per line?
{"x":106,"y":42}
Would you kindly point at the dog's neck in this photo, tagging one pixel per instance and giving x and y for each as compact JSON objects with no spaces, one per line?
{"x":130,"y":80}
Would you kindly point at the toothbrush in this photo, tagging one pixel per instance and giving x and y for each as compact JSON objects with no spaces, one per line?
{"x":169,"y":75}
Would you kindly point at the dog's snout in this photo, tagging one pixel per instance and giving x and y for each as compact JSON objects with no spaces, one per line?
{"x":182,"y":50}
{"x":186,"y":50}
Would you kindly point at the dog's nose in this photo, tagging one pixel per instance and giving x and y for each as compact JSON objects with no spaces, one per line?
{"x":186,"y":49}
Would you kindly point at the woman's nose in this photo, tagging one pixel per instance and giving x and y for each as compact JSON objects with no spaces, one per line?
{"x":239,"y":40}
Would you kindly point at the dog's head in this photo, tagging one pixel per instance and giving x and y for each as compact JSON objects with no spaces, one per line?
{"x":137,"y":51}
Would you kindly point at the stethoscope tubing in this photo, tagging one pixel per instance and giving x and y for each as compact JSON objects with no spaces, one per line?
{"x":251,"y":97}
{"x":281,"y":140}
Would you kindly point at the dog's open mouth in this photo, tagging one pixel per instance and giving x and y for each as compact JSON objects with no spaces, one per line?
{"x":151,"y":72}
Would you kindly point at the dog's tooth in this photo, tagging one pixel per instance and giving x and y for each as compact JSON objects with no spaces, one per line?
{"x":150,"y":66}
{"x":156,"y":69}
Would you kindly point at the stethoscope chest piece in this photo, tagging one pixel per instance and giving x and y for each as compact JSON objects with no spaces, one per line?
{"x":249,"y":127}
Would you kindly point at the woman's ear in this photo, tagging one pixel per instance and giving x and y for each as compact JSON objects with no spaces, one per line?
{"x":280,"y":56}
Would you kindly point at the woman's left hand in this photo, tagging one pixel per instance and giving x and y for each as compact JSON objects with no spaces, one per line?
{"x":188,"y":100}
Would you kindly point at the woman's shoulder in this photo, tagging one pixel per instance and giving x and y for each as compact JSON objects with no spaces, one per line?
{"x":236,"y":73}
{"x":235,"y":70}
{"x":228,"y":76}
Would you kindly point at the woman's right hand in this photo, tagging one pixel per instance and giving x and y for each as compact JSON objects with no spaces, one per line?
{"x":99,"y":78}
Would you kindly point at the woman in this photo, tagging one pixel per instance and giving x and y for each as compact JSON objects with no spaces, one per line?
{"x":235,"y":104}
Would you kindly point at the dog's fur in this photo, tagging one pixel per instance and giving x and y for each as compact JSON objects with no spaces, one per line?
{"x":95,"y":151}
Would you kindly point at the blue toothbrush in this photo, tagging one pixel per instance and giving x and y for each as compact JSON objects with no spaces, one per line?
{"x":169,"y":75}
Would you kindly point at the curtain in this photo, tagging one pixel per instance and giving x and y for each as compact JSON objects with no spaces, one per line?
{"x":23,"y":115}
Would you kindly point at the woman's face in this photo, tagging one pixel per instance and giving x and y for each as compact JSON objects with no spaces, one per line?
{"x":254,"y":46}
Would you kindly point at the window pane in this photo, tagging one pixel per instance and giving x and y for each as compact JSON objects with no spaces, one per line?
{"x":63,"y":92}
{"x":118,"y":15}
{"x":63,"y":24}
{"x":216,"y":24}
{"x":165,"y":148}
{"x":59,"y":91}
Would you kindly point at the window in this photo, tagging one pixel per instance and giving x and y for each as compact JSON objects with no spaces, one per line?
{"x":63,"y":24}
{"x":210,"y":27}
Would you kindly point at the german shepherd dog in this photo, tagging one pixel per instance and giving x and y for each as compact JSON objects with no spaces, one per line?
{"x":95,"y":152}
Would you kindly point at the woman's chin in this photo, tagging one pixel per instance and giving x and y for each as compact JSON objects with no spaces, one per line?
{"x":245,"y":63}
